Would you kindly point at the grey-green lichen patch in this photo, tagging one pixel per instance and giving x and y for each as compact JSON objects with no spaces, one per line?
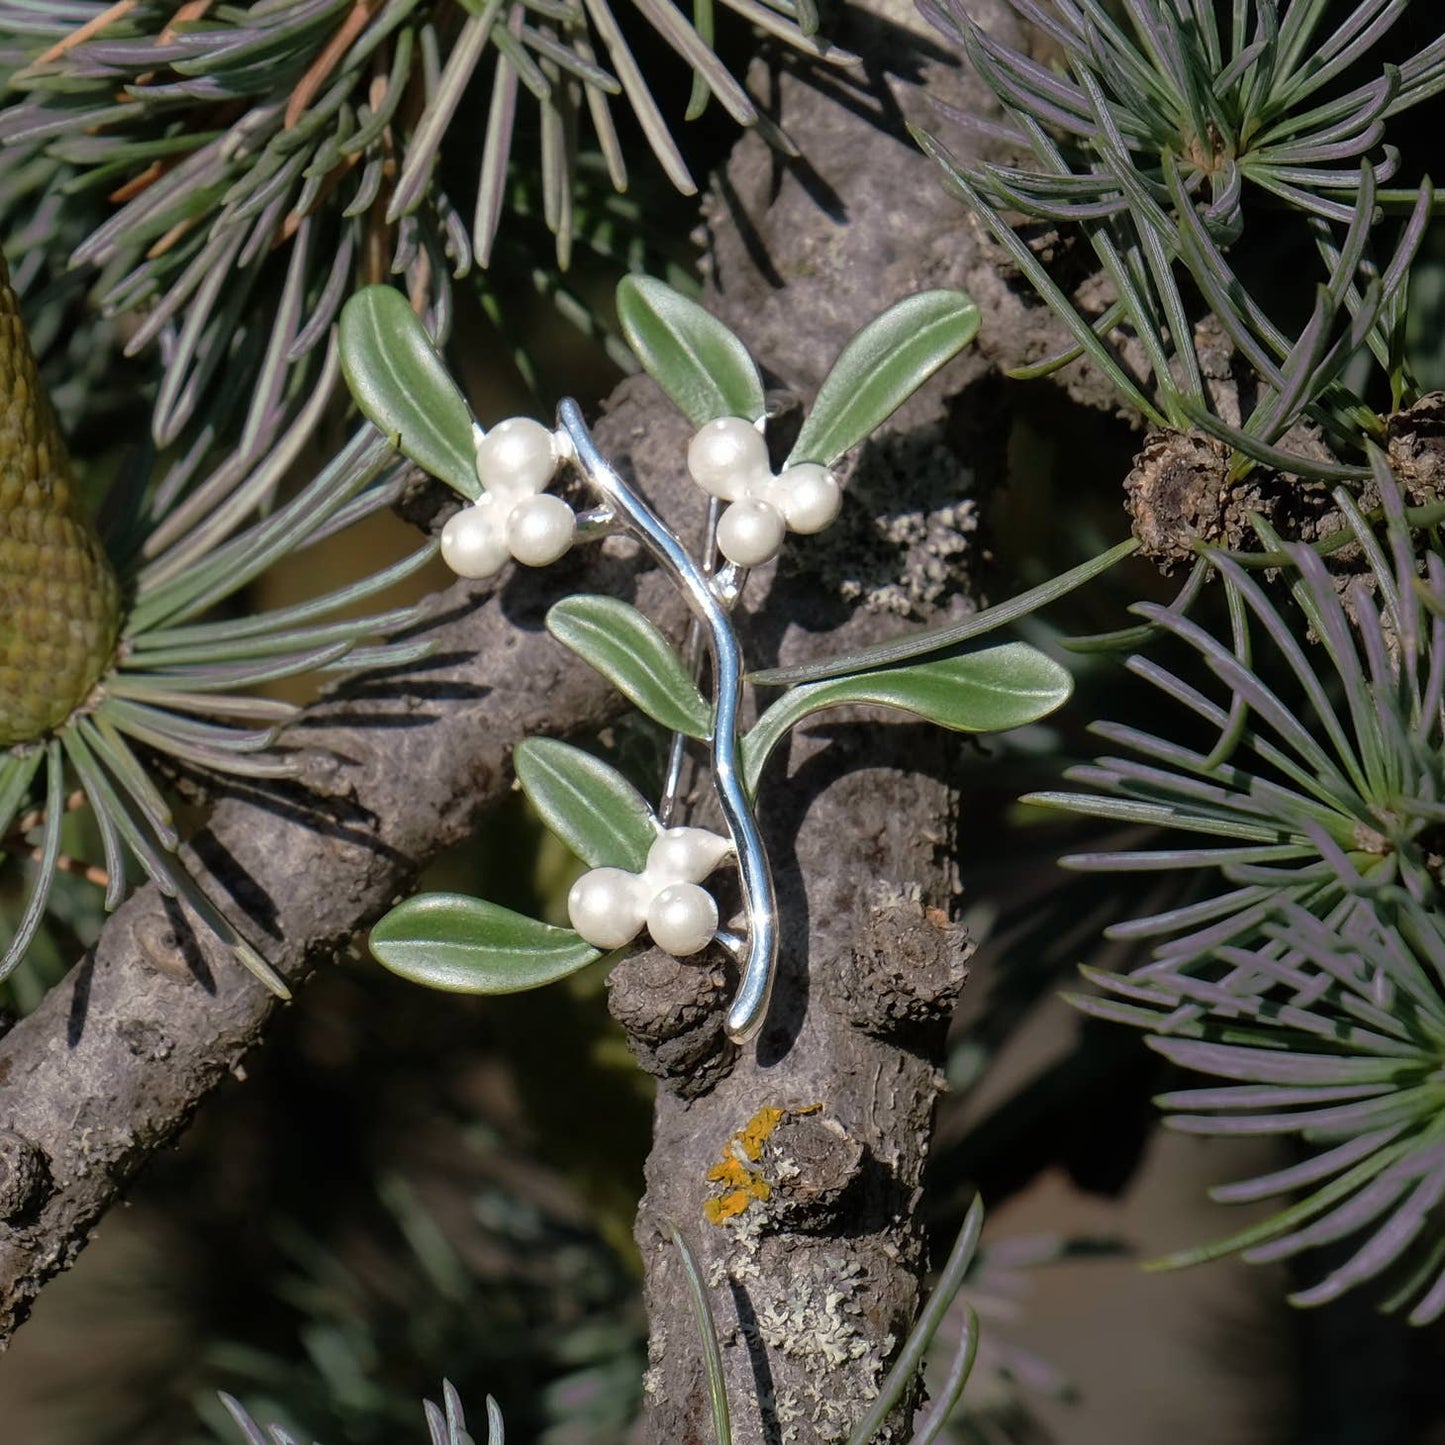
{"x":810,"y":1315}
{"x":656,"y":1349}
{"x":905,"y":540}
{"x":818,"y":1323}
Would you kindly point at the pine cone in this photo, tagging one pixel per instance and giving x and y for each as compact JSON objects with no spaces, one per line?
{"x":59,"y":601}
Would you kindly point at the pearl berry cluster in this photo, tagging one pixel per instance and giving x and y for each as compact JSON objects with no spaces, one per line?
{"x":514,"y":517}
{"x":729,"y":458}
{"x":610,"y":906}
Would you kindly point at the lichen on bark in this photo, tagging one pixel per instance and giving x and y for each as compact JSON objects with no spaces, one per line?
{"x":814,"y":1249}
{"x":115,"y":1059}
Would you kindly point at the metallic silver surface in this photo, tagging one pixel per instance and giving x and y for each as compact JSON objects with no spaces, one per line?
{"x":750,"y":1007}
{"x":691,"y":657}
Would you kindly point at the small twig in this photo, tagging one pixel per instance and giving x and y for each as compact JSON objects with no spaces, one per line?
{"x":192,"y":10}
{"x":327,"y":60}
{"x":82,"y":33}
{"x":28,"y":822}
{"x":77,"y":868}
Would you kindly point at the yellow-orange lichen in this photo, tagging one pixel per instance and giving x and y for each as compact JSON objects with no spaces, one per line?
{"x":742,"y":1185}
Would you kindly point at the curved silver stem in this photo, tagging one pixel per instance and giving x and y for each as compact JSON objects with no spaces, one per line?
{"x":750,"y":1007}
{"x":691,"y":657}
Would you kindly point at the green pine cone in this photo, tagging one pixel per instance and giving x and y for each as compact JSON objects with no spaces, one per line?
{"x":59,"y":601}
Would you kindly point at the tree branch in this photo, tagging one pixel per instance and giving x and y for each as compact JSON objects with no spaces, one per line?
{"x":794,"y":1166}
{"x":115,"y":1059}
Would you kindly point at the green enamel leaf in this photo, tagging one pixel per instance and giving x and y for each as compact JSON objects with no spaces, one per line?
{"x":690,"y":354}
{"x":632,"y":653}
{"x":881,"y":368}
{"x":467,"y":945}
{"x":402,"y":386}
{"x":939,"y":639}
{"x":590,"y":806}
{"x":991,"y":690}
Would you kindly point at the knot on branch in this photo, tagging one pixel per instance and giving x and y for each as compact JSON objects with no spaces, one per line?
{"x":1416,"y":443}
{"x":811,"y":1161}
{"x":788,"y":1170}
{"x":24,"y":1177}
{"x":1181,"y":493}
{"x":160,"y":946}
{"x":672,"y":1011}
{"x":906,"y":970}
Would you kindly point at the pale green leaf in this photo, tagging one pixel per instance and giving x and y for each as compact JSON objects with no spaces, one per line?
{"x":590,"y":806}
{"x":881,"y":368}
{"x":403,"y":388}
{"x":467,"y":945}
{"x":991,"y":690}
{"x":920,"y":644}
{"x":707,"y":1337}
{"x":632,"y":653}
{"x":689,"y":353}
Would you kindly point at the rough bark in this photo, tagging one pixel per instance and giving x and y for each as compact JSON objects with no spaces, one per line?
{"x":118,"y":1055}
{"x":794,"y":1166}
{"x":116,"y":1058}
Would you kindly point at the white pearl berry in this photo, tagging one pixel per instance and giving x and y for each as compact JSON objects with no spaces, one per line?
{"x":750,"y":532}
{"x":517,"y":455}
{"x":605,"y":908}
{"x":608,"y":906}
{"x":726,"y":455}
{"x":540,"y":529}
{"x":682,"y":919}
{"x":473,"y":545}
{"x":686,"y":855}
{"x":729,"y":458}
{"x":513,"y":517}
{"x":809,"y":496}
